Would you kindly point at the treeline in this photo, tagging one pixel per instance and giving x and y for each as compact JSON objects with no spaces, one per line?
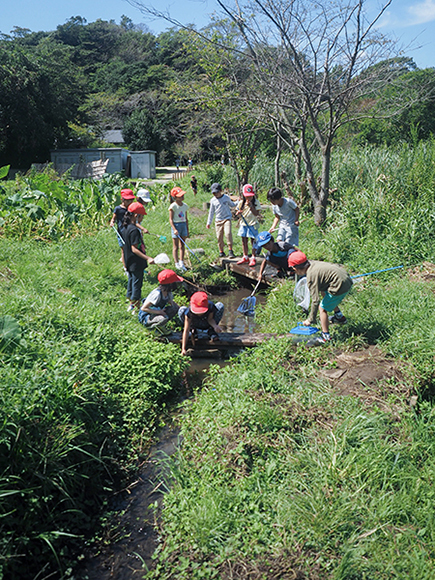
{"x":65,"y":88}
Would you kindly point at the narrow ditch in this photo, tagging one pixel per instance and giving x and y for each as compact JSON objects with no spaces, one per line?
{"x":128,"y":554}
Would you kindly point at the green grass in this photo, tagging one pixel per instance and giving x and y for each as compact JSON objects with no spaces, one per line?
{"x":276,"y":470}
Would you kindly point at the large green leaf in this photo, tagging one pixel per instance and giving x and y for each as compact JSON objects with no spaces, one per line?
{"x":4,"y":171}
{"x":10,"y":330}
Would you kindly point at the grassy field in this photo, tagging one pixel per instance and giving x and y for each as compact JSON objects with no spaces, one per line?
{"x":295,"y":462}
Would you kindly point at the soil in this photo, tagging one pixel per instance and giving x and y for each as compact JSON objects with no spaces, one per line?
{"x":425,"y":271}
{"x":369,"y":375}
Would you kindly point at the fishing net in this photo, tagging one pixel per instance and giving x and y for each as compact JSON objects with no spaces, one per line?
{"x":301,"y":294}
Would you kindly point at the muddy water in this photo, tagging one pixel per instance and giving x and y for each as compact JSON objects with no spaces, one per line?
{"x":128,"y":554}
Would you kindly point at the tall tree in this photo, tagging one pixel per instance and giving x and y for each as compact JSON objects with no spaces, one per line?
{"x":309,"y":63}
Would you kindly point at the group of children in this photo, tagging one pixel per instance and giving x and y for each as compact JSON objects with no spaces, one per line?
{"x":323,"y":278}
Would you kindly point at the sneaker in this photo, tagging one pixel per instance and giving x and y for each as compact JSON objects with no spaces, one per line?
{"x":244,"y":260}
{"x":323,"y":339}
{"x":337,"y":319}
{"x":231,"y":254}
{"x":252,"y":261}
{"x":221,"y":254}
{"x":130,"y":308}
{"x":182,"y":267}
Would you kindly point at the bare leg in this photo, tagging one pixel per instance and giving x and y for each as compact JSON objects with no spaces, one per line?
{"x":324,"y":320}
{"x":175,"y":250}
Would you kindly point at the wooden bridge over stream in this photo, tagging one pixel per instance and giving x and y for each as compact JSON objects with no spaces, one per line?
{"x":228,"y":341}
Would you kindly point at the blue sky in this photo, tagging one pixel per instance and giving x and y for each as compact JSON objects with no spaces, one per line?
{"x":410,"y":21}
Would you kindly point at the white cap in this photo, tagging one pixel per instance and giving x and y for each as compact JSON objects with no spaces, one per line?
{"x":144,"y":195}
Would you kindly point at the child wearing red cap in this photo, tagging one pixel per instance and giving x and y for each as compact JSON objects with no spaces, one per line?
{"x":127,"y":196}
{"x":323,"y":279}
{"x":201,"y":314}
{"x":248,"y":208}
{"x":179,"y":226}
{"x":158,"y":308}
{"x":135,"y":257}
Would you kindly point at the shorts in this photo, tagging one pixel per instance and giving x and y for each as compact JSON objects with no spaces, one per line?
{"x":331,"y":301}
{"x":181,"y":229}
{"x":245,"y":232}
{"x":224,"y":227}
{"x":289,"y":234}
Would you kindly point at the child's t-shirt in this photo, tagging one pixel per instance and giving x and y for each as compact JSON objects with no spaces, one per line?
{"x":251,"y":219}
{"x":119,"y":212}
{"x":180,"y":212}
{"x":286,"y":212}
{"x":133,"y":237}
{"x":221,"y":207}
{"x":279,"y":257}
{"x":157,"y":300}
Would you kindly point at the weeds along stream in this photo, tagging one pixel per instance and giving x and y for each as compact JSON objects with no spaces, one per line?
{"x":131,"y":538}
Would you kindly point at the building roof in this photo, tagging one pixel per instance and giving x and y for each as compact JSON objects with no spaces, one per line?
{"x":113,"y":136}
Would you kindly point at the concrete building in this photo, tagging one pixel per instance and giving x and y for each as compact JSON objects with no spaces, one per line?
{"x":135,"y":164}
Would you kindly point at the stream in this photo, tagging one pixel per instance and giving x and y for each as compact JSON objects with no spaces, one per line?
{"x":128,"y":555}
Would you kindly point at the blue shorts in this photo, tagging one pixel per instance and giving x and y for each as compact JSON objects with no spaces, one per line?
{"x":331,"y":301}
{"x":181,"y":229}
{"x":245,"y":232}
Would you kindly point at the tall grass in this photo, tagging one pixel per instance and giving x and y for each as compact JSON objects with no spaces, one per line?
{"x":81,"y":395}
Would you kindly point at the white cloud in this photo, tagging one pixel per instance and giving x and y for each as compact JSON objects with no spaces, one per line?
{"x":422,"y":12}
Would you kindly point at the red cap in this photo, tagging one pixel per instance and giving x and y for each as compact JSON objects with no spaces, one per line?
{"x":248,"y":190}
{"x":127,"y":194}
{"x":137,"y":207}
{"x":177,"y":192}
{"x":168,"y":277}
{"x":199,"y":303}
{"x":296,"y":258}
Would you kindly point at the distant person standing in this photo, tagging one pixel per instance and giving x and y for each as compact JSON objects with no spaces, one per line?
{"x":194,"y":185}
{"x":220,"y":206}
{"x":286,"y":213}
{"x":190,"y":164}
{"x":177,"y":163}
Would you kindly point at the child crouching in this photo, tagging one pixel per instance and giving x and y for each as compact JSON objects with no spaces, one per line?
{"x":158,"y":307}
{"x":201,"y":314}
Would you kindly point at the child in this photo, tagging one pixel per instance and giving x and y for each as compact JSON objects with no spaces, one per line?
{"x":119,"y":212}
{"x":201,"y":314}
{"x":249,"y":208}
{"x":329,"y":280}
{"x":277,"y":254}
{"x":221,"y":205}
{"x":194,"y":185}
{"x":159,"y":306}
{"x":143,"y":195}
{"x":134,"y":254}
{"x":180,"y":226}
{"x":286,"y":215}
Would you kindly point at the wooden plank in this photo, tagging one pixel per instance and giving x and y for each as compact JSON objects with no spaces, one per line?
{"x":231,"y":339}
{"x":251,"y":272}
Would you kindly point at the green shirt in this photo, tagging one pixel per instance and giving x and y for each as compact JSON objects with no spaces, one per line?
{"x":325,"y":277}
